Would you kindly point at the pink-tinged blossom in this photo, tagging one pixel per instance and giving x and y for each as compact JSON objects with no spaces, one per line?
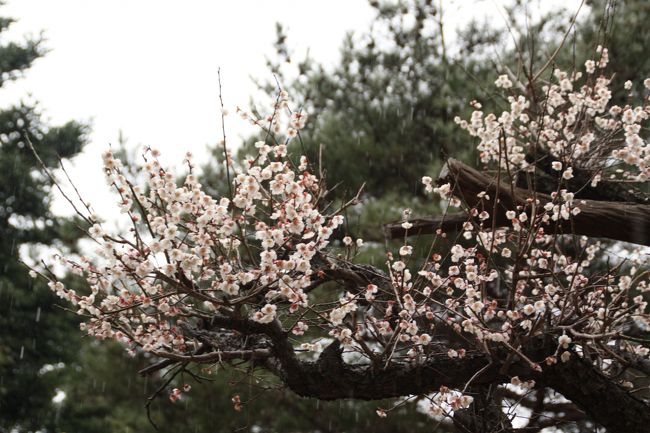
{"x":263,"y":253}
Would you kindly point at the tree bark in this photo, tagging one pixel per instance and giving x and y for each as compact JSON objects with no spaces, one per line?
{"x":546,"y":182}
{"x":603,"y":400}
{"x":621,"y":221}
{"x":330,"y":378}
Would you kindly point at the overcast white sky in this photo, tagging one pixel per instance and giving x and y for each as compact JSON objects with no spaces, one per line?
{"x":149,"y":67}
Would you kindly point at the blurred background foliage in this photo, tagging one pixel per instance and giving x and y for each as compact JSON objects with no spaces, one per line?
{"x":383,"y":116}
{"x":34,"y":336}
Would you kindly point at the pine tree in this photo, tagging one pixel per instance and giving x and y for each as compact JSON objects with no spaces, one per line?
{"x":34,"y":336}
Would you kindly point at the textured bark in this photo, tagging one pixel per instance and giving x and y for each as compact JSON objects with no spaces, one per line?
{"x":268,"y":346}
{"x":329,"y":378}
{"x":603,"y":400}
{"x":546,"y":182}
{"x":622,"y":221}
{"x":485,"y":414}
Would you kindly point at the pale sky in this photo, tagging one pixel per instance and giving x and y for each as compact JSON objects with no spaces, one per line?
{"x":149,"y":67}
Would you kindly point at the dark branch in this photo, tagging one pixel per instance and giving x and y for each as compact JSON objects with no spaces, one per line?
{"x":330,"y":378}
{"x":622,"y":221}
{"x":603,"y":400}
{"x":427,"y":225}
{"x":320,"y":380}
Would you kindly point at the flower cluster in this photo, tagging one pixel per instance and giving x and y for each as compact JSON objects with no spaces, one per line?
{"x":575,"y":124}
{"x":189,"y":254}
{"x":259,"y":253}
{"x":444,"y":402}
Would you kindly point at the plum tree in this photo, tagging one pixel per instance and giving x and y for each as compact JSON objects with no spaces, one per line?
{"x":516,"y":300}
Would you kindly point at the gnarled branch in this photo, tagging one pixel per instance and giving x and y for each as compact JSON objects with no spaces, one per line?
{"x":622,"y":221}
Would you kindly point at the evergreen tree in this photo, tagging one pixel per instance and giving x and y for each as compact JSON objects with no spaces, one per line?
{"x":34,"y":336}
{"x":620,"y":26}
{"x":393,"y":97}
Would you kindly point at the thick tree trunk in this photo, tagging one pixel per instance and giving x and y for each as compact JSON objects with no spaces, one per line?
{"x":622,"y":221}
{"x":330,"y":378}
{"x":603,"y":400}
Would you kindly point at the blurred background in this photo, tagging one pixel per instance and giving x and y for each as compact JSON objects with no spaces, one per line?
{"x":382,"y":81}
